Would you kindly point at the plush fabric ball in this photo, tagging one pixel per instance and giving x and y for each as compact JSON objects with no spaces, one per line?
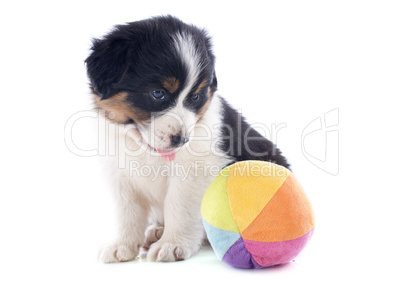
{"x":256,"y":215}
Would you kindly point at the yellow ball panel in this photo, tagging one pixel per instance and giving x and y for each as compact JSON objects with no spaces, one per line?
{"x":250,"y":186}
{"x":215,"y":207}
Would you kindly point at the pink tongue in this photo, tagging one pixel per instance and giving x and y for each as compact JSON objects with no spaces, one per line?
{"x":167,"y":155}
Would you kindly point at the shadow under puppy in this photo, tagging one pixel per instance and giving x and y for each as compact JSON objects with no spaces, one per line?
{"x":154,"y":81}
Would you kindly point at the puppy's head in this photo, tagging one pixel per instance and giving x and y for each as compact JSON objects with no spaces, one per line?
{"x":157,"y":74}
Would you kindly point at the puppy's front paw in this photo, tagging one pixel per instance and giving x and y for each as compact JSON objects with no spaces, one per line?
{"x":166,"y":251}
{"x":118,"y":252}
{"x":153,"y":234}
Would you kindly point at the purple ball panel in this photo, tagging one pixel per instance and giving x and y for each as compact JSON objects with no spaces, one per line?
{"x":238,"y":256}
{"x":274,"y":253}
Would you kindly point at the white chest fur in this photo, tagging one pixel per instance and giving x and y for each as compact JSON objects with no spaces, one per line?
{"x":138,"y":173}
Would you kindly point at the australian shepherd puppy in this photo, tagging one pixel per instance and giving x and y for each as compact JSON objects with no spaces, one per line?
{"x":154,"y":81}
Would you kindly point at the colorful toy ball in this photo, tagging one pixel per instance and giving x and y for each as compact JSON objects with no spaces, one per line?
{"x":256,"y":215}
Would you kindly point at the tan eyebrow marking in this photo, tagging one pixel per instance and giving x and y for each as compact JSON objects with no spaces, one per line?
{"x":202,"y":85}
{"x":171,"y":84}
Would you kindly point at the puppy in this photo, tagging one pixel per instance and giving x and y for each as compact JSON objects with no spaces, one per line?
{"x":154,"y":81}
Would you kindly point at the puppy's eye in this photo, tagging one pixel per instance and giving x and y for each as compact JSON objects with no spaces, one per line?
{"x":195,"y":97}
{"x":158,"y":94}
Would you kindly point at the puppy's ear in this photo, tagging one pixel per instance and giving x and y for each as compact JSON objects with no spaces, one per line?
{"x":107,"y":65}
{"x":214,"y":83}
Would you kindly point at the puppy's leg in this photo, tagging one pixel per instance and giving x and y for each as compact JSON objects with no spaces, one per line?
{"x":132,"y":218}
{"x":183,"y":232}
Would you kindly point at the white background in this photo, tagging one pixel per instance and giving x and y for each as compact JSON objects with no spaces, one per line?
{"x":279,"y":62}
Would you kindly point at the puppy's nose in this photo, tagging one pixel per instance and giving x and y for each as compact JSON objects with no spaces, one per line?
{"x":179,"y":139}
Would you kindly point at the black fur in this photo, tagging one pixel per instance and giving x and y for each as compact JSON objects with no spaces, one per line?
{"x":136,"y":56}
{"x":242,"y":142}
